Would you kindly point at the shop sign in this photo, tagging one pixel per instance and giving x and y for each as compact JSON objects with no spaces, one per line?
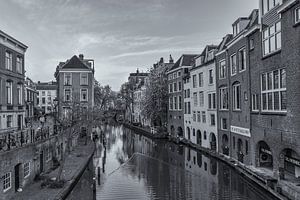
{"x":292,"y":160}
{"x":266,"y":151}
{"x":240,"y":131}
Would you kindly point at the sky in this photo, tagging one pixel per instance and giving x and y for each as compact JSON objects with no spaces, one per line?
{"x":120,"y":35}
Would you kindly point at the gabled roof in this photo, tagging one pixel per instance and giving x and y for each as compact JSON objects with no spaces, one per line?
{"x":184,"y":60}
{"x":75,"y":63}
{"x":224,"y":41}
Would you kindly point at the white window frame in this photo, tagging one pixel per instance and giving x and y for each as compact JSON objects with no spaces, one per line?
{"x":297,"y":15}
{"x":198,"y":116}
{"x":175,"y":103}
{"x":210,"y":76}
{"x":212,"y":100}
{"x":82,"y":80}
{"x":170,"y":87}
{"x":203,"y":116}
{"x":81,"y":93}
{"x":255,"y":102}
{"x":222,"y":124}
{"x":19,"y":64}
{"x":212,"y":116}
{"x":231,"y":64}
{"x":26,"y":169}
{"x":9,"y":92}
{"x":236,"y":88}
{"x":268,"y":37}
{"x":170,"y":103}
{"x":65,"y":79}
{"x":175,"y":86}
{"x":223,"y":91}
{"x":195,"y":99}
{"x":8,"y":60}
{"x":6,"y":184}
{"x":222,"y":69}
{"x":179,"y":102}
{"x":20,"y":94}
{"x":194,"y":79}
{"x":200,"y":76}
{"x":272,"y":91}
{"x":244,"y":57}
{"x":65,"y":96}
{"x":201,"y":98}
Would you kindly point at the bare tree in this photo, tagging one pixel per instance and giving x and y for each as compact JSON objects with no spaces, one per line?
{"x":103,"y":96}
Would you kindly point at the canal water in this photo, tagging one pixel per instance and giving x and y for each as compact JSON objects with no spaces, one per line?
{"x":133,"y":167}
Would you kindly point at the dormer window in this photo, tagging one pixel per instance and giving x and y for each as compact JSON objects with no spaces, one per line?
{"x":236,"y":29}
{"x":269,"y":5}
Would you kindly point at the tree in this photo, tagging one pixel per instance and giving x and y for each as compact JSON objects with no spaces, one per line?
{"x":103,"y":96}
{"x":126,"y":99}
{"x":156,"y":98}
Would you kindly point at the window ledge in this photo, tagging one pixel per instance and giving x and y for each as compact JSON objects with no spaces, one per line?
{"x":271,"y":54}
{"x":283,"y":113}
{"x":236,"y":110}
{"x":296,"y":24}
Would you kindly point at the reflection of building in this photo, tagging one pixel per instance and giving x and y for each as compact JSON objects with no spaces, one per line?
{"x":176,"y":76}
{"x":46,"y":95}
{"x":274,"y":72}
{"x":233,"y":88}
{"x":203,"y":99}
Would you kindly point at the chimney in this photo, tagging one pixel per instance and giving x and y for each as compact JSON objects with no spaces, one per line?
{"x":171,"y":59}
{"x":161,"y":60}
{"x":81,"y":56}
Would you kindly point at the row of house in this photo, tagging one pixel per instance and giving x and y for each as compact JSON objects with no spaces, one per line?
{"x":240,"y":97}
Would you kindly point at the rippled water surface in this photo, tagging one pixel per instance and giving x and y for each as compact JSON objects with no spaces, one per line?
{"x":135,"y":167}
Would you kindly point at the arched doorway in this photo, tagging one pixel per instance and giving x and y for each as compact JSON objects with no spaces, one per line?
{"x":213,"y":142}
{"x":225,"y":147}
{"x":240,"y":153}
{"x":179,"y":131}
{"x":265,"y":157}
{"x":289,"y":164}
{"x":172,"y":129}
{"x":199,"y":138}
{"x":188,"y":130}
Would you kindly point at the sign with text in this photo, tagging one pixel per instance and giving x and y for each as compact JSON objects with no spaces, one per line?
{"x":240,"y":131}
{"x":292,"y":160}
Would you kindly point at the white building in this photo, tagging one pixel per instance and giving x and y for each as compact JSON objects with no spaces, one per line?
{"x":203,"y":96}
{"x":47,"y":92}
{"x":187,"y":108}
{"x":138,"y":102}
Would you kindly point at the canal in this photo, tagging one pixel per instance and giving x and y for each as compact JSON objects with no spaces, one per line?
{"x":132,"y":167}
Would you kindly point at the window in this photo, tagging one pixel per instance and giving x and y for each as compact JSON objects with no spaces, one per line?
{"x":269,"y":4}
{"x":201,"y":99}
{"x":43,"y":93}
{"x":236,"y":96}
{"x":179,"y":73}
{"x":212,"y":101}
{"x":272,"y":38}
{"x":189,"y":107}
{"x":174,"y":75}
{"x":255,"y":105}
{"x":195,"y":98}
{"x":188,"y":93}
{"x":205,"y":135}
{"x":20,"y":94}
{"x":203,"y":117}
{"x":6,"y":181}
{"x":242,"y":59}
{"x":83,"y":78}
{"x":223,"y":123}
{"x":180,"y":102}
{"x":274,"y":91}
{"x":43,"y":100}
{"x":9,"y":121}
{"x":171,"y":88}
{"x":8,"y":60}
{"x":83,"y":95}
{"x":170,"y":76}
{"x":251,"y":44}
{"x":223,"y":98}
{"x":297,"y":15}
{"x":200,"y":75}
{"x":222,"y":69}
{"x":194,"y":81}
{"x":194,"y":116}
{"x":26,"y":168}
{"x":233,"y":64}
{"x":198,"y":116}
{"x":48,"y":154}
{"x":175,"y":86}
{"x":19,"y":64}
{"x":170,"y":103}
{"x":212,"y":120}
{"x":67,"y":95}
{"x":175,"y":103}
{"x":9,"y":92}
{"x":247,"y":147}
{"x":68,"y":79}
{"x":179,"y":86}
{"x":185,"y":107}
{"x":211,"y":77}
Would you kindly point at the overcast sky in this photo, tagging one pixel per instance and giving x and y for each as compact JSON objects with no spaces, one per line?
{"x":120,"y":35}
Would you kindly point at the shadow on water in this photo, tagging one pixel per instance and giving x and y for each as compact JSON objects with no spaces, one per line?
{"x":135,"y":167}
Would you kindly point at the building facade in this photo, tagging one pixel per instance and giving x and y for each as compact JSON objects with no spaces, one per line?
{"x":30,"y":94}
{"x":176,"y":93}
{"x":275,"y":79}
{"x":47,"y":92}
{"x":203,"y":96}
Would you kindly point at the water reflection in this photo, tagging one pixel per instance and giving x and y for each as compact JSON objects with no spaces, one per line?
{"x":136,"y":167}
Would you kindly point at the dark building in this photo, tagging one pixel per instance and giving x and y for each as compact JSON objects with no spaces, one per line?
{"x":275,"y":80}
{"x":176,"y":94}
{"x":233,"y":85}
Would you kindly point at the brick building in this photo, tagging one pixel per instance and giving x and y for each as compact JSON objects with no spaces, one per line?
{"x":233,"y":85}
{"x":176,"y":93}
{"x":275,"y":80}
{"x":203,"y":99}
{"x":47,"y":92}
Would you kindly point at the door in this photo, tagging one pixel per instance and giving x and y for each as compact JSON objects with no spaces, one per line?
{"x":17,"y":177}
{"x":41,"y":162}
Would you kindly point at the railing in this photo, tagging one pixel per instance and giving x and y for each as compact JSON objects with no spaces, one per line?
{"x":13,"y":138}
